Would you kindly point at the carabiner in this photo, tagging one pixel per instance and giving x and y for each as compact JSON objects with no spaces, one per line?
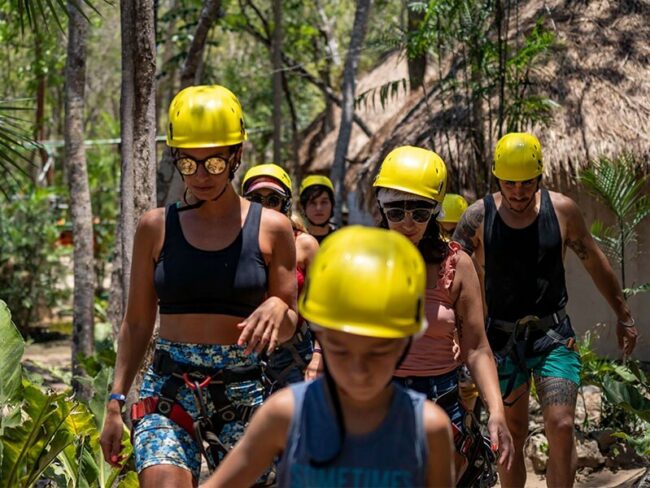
{"x":193,"y":385}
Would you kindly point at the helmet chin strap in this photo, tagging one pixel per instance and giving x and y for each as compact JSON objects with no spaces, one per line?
{"x":510,"y":207}
{"x":324,"y":225}
{"x":201,"y":202}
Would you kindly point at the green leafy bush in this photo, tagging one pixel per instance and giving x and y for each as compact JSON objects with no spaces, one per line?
{"x":626,"y":394}
{"x":46,"y":435}
{"x":31,"y":270}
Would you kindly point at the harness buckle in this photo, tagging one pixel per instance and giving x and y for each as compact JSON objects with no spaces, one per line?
{"x":227,"y":413}
{"x":164,"y":406}
{"x":527,"y":320}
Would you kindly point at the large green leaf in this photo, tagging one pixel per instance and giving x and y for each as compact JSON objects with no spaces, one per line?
{"x":12,"y":347}
{"x":83,"y":463}
{"x":129,"y":481}
{"x":626,"y":396}
{"x":51,"y":423}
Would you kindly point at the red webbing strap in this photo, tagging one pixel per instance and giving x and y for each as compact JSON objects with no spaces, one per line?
{"x":177,"y":413}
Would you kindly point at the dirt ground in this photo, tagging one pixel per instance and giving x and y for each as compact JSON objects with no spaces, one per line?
{"x":52,"y":360}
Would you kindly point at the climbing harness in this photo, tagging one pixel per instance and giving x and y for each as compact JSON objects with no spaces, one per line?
{"x":205,"y":428}
{"x":277,"y":380}
{"x":472,"y":445}
{"x":519,"y":333}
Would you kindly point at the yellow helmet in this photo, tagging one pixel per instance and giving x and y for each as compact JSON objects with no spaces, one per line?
{"x":313,"y":180}
{"x":453,"y":208}
{"x":269,"y":170}
{"x":414,"y":170}
{"x":518,"y":157}
{"x":368,"y":282}
{"x":205,"y":116}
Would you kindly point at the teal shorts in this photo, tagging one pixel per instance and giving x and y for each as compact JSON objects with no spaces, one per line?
{"x":560,"y":362}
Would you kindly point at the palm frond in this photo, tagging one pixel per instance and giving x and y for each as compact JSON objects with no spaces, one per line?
{"x":607,"y":239}
{"x":616,"y":184}
{"x":36,"y":14}
{"x":14,"y":141}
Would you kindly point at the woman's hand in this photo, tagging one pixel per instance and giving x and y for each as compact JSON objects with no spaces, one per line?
{"x":455,"y":349}
{"x":315,"y":367}
{"x":111,"y":437}
{"x":501,"y":439}
{"x":260,"y":330}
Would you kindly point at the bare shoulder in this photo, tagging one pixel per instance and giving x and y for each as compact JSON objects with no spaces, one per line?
{"x":278,"y":409}
{"x":275,"y":223}
{"x":467,"y":232}
{"x":152,"y":223}
{"x":436,"y":421}
{"x":307,"y":242}
{"x":563,"y":203}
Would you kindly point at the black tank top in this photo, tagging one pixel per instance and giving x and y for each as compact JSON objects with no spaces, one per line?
{"x":524,"y":272}
{"x":230,"y":281}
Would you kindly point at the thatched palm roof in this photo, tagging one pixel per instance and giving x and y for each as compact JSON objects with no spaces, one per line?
{"x":600,"y":79}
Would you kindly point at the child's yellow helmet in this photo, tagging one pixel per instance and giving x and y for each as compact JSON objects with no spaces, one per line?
{"x":368,"y":282}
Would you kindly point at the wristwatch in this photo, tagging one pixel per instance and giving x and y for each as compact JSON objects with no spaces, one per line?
{"x":629,"y":324}
{"x":121,"y":399}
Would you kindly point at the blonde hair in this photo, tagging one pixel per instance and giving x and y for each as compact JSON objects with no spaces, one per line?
{"x":297,"y":223}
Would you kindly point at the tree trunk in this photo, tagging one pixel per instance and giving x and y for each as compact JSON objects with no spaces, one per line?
{"x":347,"y":110}
{"x":417,"y":63}
{"x":502,"y":42}
{"x":276,"y":60}
{"x":80,"y":208}
{"x":326,"y":29}
{"x":138,"y":129}
{"x":138,"y":143}
{"x":170,"y":184}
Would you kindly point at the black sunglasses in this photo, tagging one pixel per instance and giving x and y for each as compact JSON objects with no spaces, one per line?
{"x":215,"y":165}
{"x":419,"y":215}
{"x":269,"y":201}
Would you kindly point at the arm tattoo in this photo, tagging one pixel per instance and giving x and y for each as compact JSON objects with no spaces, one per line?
{"x":578,"y":247}
{"x":465,"y":233}
{"x":556,"y":391}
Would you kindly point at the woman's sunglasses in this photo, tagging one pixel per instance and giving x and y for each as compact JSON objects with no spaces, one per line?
{"x":215,"y":165}
{"x":419,"y":215}
{"x":269,"y":201}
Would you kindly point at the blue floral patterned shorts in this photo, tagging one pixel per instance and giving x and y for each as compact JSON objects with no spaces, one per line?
{"x":159,"y":440}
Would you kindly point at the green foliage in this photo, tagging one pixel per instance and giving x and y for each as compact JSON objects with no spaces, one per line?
{"x":626,"y":392}
{"x":48,"y":435}
{"x":14,"y":137}
{"x":639,"y":441}
{"x":11,"y":351}
{"x":385,"y":92}
{"x":618,"y":184}
{"x":30,"y":261}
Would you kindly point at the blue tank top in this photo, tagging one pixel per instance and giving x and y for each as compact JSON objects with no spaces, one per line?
{"x":230,"y":281}
{"x":394,"y":454}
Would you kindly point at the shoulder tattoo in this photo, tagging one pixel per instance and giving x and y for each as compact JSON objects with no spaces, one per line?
{"x":465,"y":233}
{"x":578,"y":247}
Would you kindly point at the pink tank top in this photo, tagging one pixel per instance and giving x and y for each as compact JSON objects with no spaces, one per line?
{"x":432,"y":354}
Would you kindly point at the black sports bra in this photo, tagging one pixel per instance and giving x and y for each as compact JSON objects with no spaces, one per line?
{"x":230,"y":281}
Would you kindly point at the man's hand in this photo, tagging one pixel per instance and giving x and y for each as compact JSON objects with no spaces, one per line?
{"x":627,"y":337}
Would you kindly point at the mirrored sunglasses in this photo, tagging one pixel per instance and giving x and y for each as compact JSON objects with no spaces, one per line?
{"x":215,"y":165}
